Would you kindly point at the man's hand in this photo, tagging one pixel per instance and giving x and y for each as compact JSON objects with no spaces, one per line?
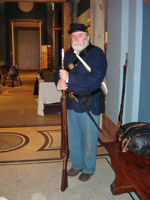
{"x":62,"y":85}
{"x":63,"y":74}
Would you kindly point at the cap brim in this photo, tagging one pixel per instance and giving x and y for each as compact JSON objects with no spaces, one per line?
{"x":76,"y":30}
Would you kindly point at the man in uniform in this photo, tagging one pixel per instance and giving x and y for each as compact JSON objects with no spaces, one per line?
{"x":83,"y":84}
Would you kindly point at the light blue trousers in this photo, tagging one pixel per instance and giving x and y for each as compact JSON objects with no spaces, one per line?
{"x":82,"y":137}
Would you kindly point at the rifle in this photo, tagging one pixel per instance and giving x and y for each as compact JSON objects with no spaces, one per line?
{"x":122,"y":99}
{"x":64,"y":136}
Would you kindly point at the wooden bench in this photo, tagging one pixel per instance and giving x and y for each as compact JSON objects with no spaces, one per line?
{"x":132,"y":171}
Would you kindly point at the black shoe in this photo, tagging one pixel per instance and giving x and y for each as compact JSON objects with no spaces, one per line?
{"x":73,"y":172}
{"x":85,"y":177}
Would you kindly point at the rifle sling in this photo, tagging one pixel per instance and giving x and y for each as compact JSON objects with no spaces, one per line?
{"x":85,"y":51}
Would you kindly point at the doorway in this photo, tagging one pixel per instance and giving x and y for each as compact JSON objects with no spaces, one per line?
{"x":26,"y":42}
{"x":28,"y":50}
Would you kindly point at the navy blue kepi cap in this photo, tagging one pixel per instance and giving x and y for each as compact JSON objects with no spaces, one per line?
{"x":78,"y":27}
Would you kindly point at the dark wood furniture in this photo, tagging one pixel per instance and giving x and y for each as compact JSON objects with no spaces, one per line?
{"x":132,"y":171}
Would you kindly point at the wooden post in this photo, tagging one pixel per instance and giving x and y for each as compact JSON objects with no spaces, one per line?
{"x":97,"y":29}
{"x":65,"y":25}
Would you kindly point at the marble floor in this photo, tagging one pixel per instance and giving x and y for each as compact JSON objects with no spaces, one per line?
{"x":30,"y":160}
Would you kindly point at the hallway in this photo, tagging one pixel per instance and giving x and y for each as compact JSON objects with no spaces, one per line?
{"x":22,"y":132}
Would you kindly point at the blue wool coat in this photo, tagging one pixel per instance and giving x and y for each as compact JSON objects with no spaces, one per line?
{"x":81,"y":81}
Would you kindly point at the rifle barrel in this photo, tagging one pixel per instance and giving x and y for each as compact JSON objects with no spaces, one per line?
{"x":64,"y":136}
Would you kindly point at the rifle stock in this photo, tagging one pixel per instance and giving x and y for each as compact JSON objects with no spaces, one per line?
{"x":64,"y":153}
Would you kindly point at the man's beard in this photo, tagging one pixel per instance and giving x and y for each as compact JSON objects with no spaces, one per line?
{"x":77,"y":46}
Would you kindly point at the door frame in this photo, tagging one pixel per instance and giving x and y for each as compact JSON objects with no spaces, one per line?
{"x":30,"y":23}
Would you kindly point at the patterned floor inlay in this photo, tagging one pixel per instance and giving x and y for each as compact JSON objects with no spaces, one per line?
{"x":29,"y":144}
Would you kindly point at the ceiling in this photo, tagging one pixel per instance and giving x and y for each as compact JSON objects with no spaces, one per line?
{"x":54,"y":1}
{"x":41,"y":1}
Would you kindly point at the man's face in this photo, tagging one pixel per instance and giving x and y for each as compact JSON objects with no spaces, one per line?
{"x":79,"y":40}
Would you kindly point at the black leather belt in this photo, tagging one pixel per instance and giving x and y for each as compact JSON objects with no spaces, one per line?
{"x":84,"y":95}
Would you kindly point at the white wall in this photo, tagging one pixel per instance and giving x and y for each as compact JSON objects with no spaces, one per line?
{"x":113,"y":58}
{"x":124,"y":35}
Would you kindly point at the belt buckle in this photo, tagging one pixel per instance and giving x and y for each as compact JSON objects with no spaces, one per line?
{"x":71,"y":95}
